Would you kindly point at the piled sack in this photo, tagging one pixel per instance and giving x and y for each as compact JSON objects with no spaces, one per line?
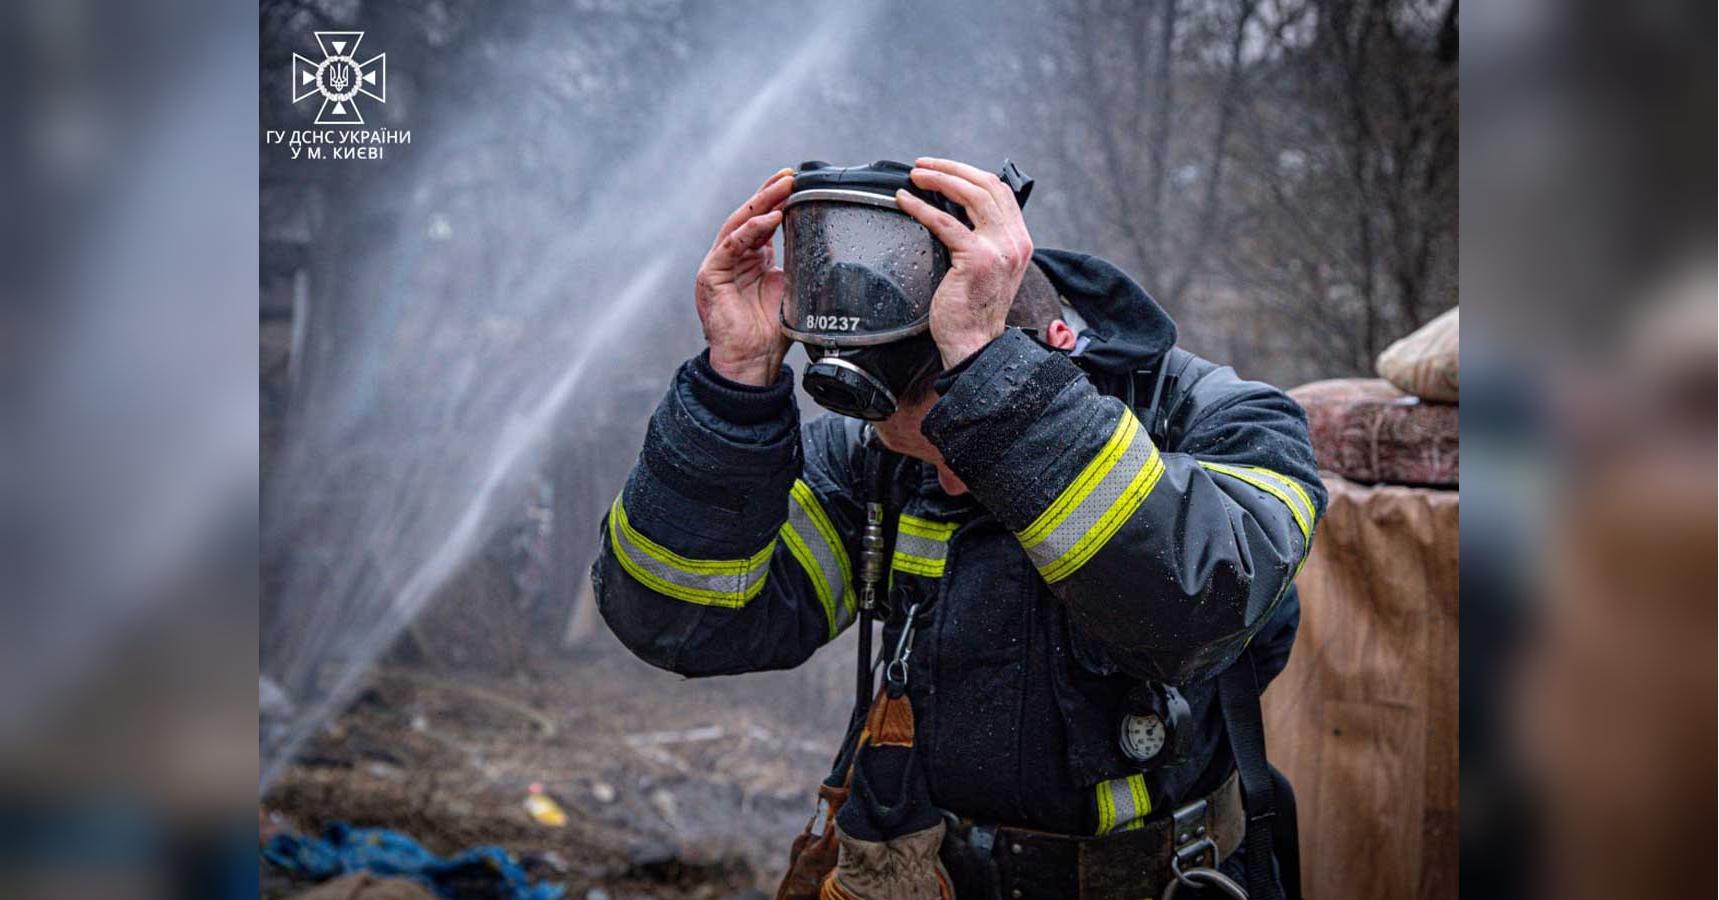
{"x":344,"y":850}
{"x":1364,"y":719}
{"x":1401,"y":428}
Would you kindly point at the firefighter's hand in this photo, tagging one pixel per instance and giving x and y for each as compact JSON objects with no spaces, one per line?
{"x":739,"y":289}
{"x":986,"y":261}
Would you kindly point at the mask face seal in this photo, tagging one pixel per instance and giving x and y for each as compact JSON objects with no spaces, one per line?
{"x":869,"y":382}
{"x":842,"y":387}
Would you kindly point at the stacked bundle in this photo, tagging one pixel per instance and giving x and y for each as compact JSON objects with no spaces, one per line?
{"x":1364,"y":719}
{"x":1397,"y":429}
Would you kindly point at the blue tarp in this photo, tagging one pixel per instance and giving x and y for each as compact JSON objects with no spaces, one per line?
{"x":487,"y":872}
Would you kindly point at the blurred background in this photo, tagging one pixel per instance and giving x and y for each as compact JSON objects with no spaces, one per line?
{"x":459,"y":343}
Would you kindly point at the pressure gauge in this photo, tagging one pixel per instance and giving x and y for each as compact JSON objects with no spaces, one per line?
{"x":1142,"y":736}
{"x":1155,"y":725}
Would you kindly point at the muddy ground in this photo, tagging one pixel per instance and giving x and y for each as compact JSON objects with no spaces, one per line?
{"x":673,"y":788}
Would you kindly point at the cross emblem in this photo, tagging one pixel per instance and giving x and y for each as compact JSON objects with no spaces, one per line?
{"x":339,"y":77}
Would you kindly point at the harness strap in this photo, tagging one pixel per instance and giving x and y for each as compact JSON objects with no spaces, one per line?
{"x":1267,"y":819}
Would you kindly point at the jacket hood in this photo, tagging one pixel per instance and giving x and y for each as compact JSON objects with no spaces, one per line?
{"x":1126,"y":329}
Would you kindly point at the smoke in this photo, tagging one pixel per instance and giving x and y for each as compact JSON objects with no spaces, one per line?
{"x":490,"y":327}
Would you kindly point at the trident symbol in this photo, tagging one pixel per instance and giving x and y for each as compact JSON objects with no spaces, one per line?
{"x":339,"y":78}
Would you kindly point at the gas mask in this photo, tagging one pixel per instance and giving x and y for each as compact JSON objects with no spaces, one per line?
{"x":860,"y":277}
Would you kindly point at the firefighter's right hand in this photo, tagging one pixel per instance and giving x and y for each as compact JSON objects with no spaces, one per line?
{"x":739,"y":289}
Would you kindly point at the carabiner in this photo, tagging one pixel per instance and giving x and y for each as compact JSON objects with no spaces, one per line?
{"x":1197,"y":874}
{"x":895,"y":674}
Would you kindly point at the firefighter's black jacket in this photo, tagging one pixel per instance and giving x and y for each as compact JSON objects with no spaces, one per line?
{"x":1085,"y":558}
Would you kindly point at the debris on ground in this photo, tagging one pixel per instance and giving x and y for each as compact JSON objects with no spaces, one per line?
{"x":486,"y":871}
{"x":543,"y":808}
{"x":365,"y":886}
{"x":671,"y":789}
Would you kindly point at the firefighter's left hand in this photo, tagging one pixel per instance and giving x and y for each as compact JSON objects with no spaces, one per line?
{"x":986,"y":262}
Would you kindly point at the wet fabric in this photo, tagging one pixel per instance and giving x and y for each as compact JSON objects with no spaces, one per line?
{"x":1089,"y":555}
{"x":343,"y":849}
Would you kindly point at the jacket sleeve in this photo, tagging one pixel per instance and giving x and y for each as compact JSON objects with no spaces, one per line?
{"x":729,"y":548}
{"x":1169,"y":562}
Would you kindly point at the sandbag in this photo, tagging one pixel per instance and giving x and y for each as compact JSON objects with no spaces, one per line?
{"x":1364,"y":719}
{"x":1426,"y":363}
{"x":1369,"y":431}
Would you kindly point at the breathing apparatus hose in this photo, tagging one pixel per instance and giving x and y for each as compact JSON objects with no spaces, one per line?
{"x":881,"y":466}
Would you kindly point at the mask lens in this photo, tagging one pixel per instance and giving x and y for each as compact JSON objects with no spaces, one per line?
{"x":859,"y":271}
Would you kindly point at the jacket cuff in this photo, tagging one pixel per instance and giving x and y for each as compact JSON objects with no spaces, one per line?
{"x":998,"y":394}
{"x":946,"y":381}
{"x":719,"y":443}
{"x":740,"y":404}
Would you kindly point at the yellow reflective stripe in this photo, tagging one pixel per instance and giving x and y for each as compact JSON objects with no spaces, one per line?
{"x":1284,"y":489}
{"x":1106,"y":809}
{"x":925,"y":528}
{"x":1089,"y":477}
{"x":693,"y":566}
{"x":1123,"y":803}
{"x":624,"y":539}
{"x":919,"y":565}
{"x":1142,"y":802}
{"x":1306,"y":501}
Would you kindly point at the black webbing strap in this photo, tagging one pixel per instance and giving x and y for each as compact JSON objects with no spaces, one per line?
{"x":1286,"y":835}
{"x":1265,"y":793}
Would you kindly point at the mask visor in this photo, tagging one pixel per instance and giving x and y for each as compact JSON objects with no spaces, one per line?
{"x":859,"y":271}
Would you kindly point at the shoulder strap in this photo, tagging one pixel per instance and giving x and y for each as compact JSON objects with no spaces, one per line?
{"x":1150,"y":392}
{"x":1266,"y":794}
{"x":1272,"y":829}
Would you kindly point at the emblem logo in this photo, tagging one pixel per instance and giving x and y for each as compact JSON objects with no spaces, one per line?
{"x":339,"y":78}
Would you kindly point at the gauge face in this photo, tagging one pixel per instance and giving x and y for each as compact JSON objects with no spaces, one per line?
{"x":1142,"y":736}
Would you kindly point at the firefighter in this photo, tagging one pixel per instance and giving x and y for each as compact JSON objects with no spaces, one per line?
{"x":1095,"y":531}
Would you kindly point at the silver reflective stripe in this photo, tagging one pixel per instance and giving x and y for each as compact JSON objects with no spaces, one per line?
{"x":923,"y":548}
{"x":1097,"y":504}
{"x":709,"y":582}
{"x":826,"y":565}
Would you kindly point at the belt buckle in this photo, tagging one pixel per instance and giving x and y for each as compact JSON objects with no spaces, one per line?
{"x":1193,"y":843}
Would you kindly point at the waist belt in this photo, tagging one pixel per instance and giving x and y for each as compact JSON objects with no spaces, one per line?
{"x":1125,"y":864}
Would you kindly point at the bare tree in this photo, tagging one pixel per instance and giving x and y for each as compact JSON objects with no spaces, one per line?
{"x":1280,"y":173}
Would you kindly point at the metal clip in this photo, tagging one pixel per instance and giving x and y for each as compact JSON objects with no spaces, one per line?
{"x":1196,"y":854}
{"x":1190,"y":830}
{"x":1193,"y":878}
{"x":895,"y":674}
